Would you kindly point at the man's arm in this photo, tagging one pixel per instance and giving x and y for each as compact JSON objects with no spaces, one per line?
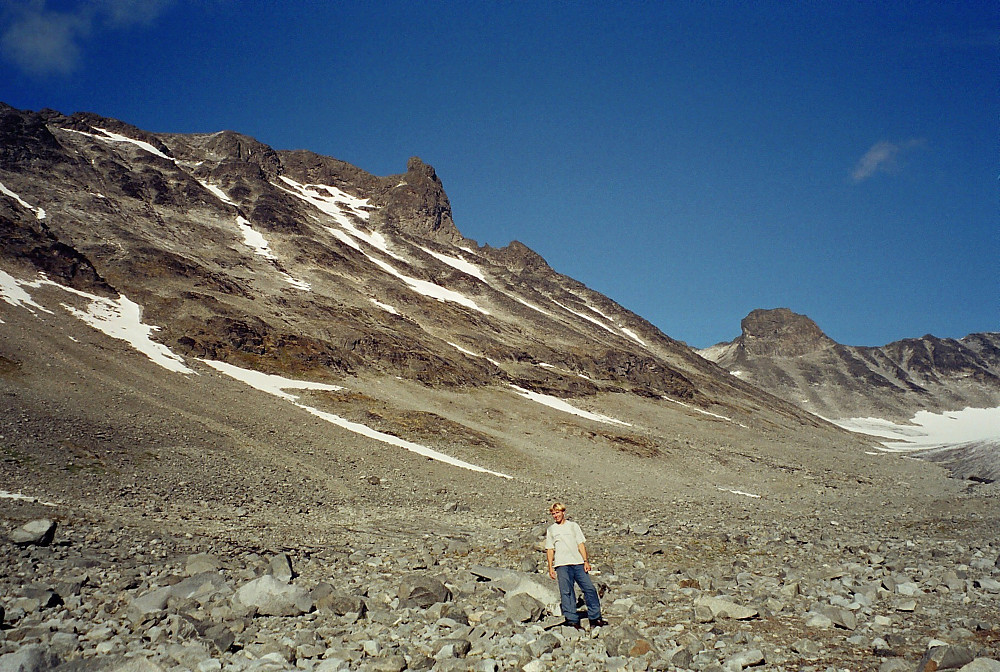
{"x":583,"y":551}
{"x":550,"y":554}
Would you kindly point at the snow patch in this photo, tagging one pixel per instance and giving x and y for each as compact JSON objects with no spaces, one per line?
{"x":930,"y":430}
{"x":118,"y":318}
{"x":255,"y":239}
{"x":122,"y":319}
{"x":560,"y":405}
{"x":12,"y":291}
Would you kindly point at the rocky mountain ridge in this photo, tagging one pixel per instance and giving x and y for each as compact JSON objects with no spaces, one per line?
{"x":789,"y":355}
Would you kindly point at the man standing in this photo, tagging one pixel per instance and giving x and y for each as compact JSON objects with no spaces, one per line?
{"x":568,"y":562}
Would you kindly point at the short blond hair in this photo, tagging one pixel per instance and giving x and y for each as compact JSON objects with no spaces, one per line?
{"x":557,"y":506}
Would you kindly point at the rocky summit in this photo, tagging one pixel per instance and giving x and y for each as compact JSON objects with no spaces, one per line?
{"x":263,"y":410}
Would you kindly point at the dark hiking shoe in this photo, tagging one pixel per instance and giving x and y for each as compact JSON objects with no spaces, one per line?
{"x":573,"y":624}
{"x":599,"y":623}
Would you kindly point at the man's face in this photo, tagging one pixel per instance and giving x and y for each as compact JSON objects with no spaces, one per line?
{"x":559,"y":516}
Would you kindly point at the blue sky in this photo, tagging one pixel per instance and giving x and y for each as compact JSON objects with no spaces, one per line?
{"x":691,"y":160}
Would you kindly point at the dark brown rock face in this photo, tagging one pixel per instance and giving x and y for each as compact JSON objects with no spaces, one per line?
{"x":417,"y":204}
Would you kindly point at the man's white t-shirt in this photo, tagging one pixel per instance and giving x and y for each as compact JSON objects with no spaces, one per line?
{"x":565,"y":539}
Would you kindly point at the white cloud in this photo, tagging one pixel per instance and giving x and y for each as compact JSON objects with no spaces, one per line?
{"x":882,"y":157}
{"x":41,"y":41}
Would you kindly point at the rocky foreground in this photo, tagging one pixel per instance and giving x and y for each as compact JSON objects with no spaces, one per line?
{"x":390,"y":592}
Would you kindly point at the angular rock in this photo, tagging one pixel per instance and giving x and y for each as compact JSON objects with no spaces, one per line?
{"x":626,"y":640}
{"x":280,"y":568}
{"x":723,"y":608}
{"x":981,"y":665}
{"x":38,"y":532}
{"x":745,"y":659}
{"x":987,"y":584}
{"x":326,"y":599}
{"x":268,"y":596}
{"x":948,"y":657}
{"x":420,"y":591}
{"x":842,"y":618}
{"x":30,"y":658}
{"x":202,"y":588}
{"x":201,"y":563}
{"x":512,"y":583}
{"x":523,"y":608}
{"x":145,"y":605}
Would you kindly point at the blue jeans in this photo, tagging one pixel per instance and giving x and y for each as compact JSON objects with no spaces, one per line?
{"x":567,"y":576}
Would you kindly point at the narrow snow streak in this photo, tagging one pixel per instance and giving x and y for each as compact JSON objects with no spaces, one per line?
{"x":384,"y":306}
{"x":24,"y":498}
{"x":560,"y":405}
{"x":740,"y":492}
{"x":277,"y":385}
{"x":258,"y":243}
{"x":463,"y":265}
{"x":117,"y":137}
{"x":634,"y":336}
{"x":39,"y":212}
{"x":704,"y":412}
{"x":217,"y":192}
{"x":364,"y":430}
{"x":266,"y":382}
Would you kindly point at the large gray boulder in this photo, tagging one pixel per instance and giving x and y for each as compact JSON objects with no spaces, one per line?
{"x":420,"y":591}
{"x":38,"y":532}
{"x":30,"y":658}
{"x":523,"y":608}
{"x":268,"y":596}
{"x":948,"y":657}
{"x":718,"y":607}
{"x":513,"y":583}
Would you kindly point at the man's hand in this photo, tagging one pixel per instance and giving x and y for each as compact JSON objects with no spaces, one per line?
{"x":586,"y":566}
{"x":552,"y":573}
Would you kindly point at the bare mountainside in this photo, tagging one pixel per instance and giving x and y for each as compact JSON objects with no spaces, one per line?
{"x":216,"y":357}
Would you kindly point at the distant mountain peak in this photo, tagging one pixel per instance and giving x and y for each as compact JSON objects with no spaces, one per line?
{"x":778,"y":332}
